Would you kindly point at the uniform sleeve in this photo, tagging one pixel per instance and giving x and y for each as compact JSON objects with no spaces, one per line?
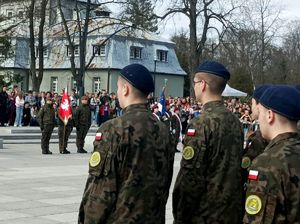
{"x":40,"y":117}
{"x":99,"y":197}
{"x":190,"y":182}
{"x":76,"y":117}
{"x":261,"y":196}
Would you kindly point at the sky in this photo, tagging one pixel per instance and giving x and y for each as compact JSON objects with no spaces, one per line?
{"x":290,"y":11}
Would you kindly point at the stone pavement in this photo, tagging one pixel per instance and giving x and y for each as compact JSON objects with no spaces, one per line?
{"x":46,"y":189}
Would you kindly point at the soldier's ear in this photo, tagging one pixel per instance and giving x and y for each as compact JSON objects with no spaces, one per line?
{"x":270,"y":116}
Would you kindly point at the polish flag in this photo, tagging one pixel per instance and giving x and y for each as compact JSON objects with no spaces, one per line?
{"x":191,"y":132}
{"x":65,"y":111}
{"x":253,"y":175}
{"x":98,"y":136}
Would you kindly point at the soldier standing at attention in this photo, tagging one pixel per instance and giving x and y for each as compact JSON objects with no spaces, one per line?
{"x":208,"y":187}
{"x":64,"y":137}
{"x":130,"y":170}
{"x":273,"y":194}
{"x":47,"y":121}
{"x":82,"y":123}
{"x":256,"y":144}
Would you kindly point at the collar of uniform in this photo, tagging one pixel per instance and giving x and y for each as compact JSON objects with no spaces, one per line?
{"x":135,"y":107}
{"x":212,"y":104}
{"x":282,"y":137}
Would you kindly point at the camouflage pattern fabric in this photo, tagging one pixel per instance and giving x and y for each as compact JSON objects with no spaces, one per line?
{"x":208,"y":188}
{"x":46,"y":118}
{"x":255,"y":146}
{"x":82,"y":124}
{"x":276,"y":188}
{"x":130,"y":180}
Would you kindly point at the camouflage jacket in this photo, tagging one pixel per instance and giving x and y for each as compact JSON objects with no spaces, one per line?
{"x":130,"y":171}
{"x":255,"y":146}
{"x":208,"y":188}
{"x":83,"y":116}
{"x":273,"y":194}
{"x":46,"y":115}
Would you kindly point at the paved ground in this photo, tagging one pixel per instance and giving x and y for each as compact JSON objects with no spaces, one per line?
{"x":46,"y":189}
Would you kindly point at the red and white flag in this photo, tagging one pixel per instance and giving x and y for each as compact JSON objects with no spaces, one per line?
{"x":253,"y":175}
{"x":191,"y":132}
{"x":65,"y":111}
{"x":98,"y":136}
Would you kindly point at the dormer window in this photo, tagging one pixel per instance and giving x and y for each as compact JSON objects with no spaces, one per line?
{"x":99,"y":50}
{"x":162,"y":55}
{"x":135,"y":52}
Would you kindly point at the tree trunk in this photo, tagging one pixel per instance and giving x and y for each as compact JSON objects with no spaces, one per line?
{"x":32,"y":71}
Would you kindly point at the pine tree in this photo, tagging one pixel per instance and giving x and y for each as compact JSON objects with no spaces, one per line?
{"x":141,"y":13}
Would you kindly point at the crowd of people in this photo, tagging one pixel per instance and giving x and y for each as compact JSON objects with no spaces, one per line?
{"x":20,"y":108}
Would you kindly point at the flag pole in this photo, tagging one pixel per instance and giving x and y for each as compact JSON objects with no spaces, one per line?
{"x":64,"y":134}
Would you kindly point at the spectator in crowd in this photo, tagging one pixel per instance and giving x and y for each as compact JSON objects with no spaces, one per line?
{"x":93,"y":107}
{"x":19,"y":109}
{"x":73,"y":100}
{"x":3,"y":106}
{"x":34,"y":116}
{"x":26,"y":114}
{"x":11,"y":108}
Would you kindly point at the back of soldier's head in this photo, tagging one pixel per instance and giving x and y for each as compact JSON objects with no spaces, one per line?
{"x":215,"y":75}
{"x":139,"y":77}
{"x":283,"y":100}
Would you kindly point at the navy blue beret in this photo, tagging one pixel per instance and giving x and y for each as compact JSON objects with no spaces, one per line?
{"x":297,"y":87}
{"x":283,"y":100}
{"x":258,"y":92}
{"x":138,"y":76}
{"x":215,"y":68}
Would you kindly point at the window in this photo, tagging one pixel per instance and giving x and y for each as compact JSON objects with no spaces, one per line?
{"x":54,"y":82}
{"x":135,"y":52}
{"x":162,"y":55}
{"x":76,"y":50}
{"x":99,"y":50}
{"x":9,"y":13}
{"x":20,"y":14}
{"x":96,"y":84}
{"x":45,"y":51}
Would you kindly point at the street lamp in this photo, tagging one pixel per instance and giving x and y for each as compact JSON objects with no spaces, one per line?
{"x":155,"y":60}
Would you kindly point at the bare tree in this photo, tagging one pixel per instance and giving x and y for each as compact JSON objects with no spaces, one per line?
{"x":206,"y":17}
{"x":262,"y":16}
{"x":37,"y":14}
{"x":79,"y":28}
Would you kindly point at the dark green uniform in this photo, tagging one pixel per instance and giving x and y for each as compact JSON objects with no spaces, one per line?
{"x":255,"y":146}
{"x":273,"y":194}
{"x":64,"y":137}
{"x":47,"y":122}
{"x":82,"y":124}
{"x":208,"y":188}
{"x":130,"y":171}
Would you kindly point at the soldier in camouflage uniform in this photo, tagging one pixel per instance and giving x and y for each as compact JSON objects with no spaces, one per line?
{"x":256,"y":143}
{"x":64,"y":133}
{"x":208,"y":187}
{"x":46,"y":118}
{"x":273,"y":194}
{"x":130,"y":170}
{"x":82,"y":123}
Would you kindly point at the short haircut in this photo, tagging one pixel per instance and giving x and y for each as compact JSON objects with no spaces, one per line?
{"x":136,"y":92}
{"x":216,"y":83}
